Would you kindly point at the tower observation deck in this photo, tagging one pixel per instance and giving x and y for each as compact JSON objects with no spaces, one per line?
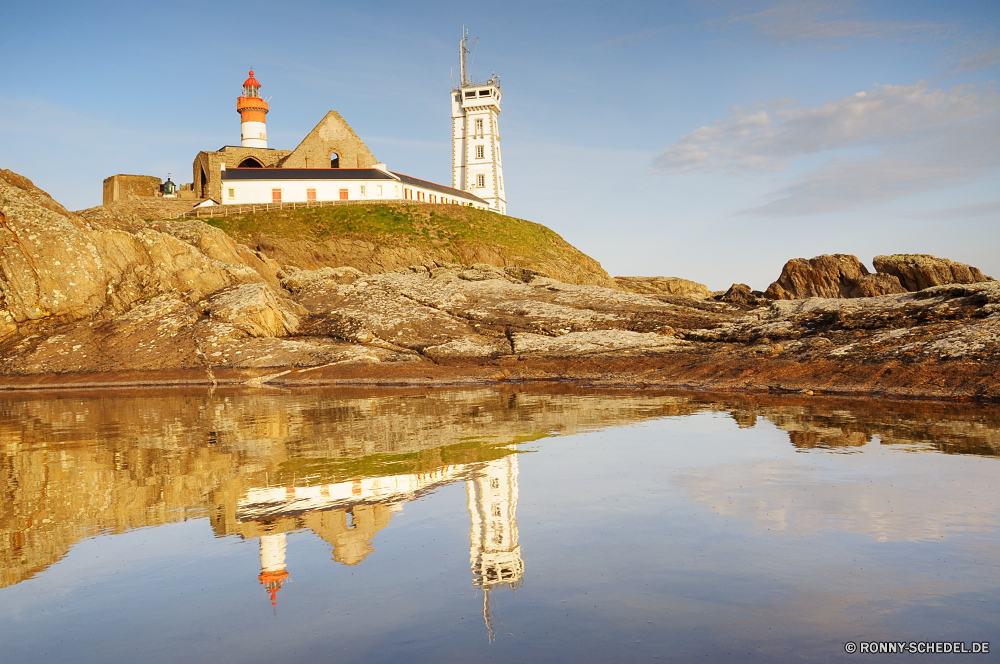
{"x":476,"y":164}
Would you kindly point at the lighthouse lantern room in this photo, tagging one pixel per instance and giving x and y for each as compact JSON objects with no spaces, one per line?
{"x":252,"y":109}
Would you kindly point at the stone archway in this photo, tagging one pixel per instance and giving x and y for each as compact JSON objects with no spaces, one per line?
{"x":250,"y":162}
{"x":334,"y":160}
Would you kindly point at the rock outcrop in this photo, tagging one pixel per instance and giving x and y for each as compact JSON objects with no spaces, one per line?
{"x":919,"y":271}
{"x":823,"y":276}
{"x":663,"y":286}
{"x":742,"y":297}
{"x":843,"y":275}
{"x":84,"y":302}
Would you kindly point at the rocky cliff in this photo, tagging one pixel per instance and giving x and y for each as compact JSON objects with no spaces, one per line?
{"x":86,"y":301}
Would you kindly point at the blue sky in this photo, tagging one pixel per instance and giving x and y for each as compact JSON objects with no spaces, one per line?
{"x":706,"y":140}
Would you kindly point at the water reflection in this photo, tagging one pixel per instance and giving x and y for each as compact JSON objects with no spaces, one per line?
{"x":341,"y":464}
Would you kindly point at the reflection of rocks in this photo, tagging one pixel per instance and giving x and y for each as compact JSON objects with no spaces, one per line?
{"x":74,"y":465}
{"x":71,"y":468}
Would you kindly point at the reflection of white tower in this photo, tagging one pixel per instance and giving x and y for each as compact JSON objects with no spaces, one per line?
{"x":494,"y":552}
{"x":476,"y":166}
{"x":272,"y":564}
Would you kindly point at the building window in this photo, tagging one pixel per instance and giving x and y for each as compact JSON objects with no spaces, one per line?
{"x":311,"y":195}
{"x":480,"y":180}
{"x":378,"y":190}
{"x":343,"y":194}
{"x":480,"y":152}
{"x":363,"y":190}
{"x":232,"y":194}
{"x":275,"y":195}
{"x":434,"y":198}
{"x":479,"y":125}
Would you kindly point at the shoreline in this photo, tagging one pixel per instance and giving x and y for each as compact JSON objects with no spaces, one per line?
{"x":946,"y":381}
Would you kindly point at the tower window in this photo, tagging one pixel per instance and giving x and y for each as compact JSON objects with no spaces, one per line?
{"x":470,"y":94}
{"x":479,"y":125}
{"x":480,"y":152}
{"x":480,"y":180}
{"x":311,"y":195}
{"x":275,"y":195}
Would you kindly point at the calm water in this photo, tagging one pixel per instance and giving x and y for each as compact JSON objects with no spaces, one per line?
{"x":488,"y":524}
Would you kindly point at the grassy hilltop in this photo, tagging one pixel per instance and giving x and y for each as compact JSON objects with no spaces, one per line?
{"x":383,"y":237}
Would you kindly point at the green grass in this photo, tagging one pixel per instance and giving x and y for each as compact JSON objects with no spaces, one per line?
{"x":312,"y":471}
{"x":420,"y":225}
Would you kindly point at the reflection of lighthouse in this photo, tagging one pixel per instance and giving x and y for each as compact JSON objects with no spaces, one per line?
{"x":495,"y":554}
{"x":252,"y":109}
{"x":272,"y":564}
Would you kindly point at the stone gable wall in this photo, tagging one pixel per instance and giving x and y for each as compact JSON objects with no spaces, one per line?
{"x":332,"y":134}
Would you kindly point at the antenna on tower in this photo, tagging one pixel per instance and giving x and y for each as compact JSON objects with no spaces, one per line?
{"x":463,"y":50}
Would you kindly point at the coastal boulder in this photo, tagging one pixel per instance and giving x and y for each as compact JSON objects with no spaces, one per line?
{"x":663,"y":286}
{"x":56,"y":264}
{"x":873,"y":285}
{"x":919,"y":271}
{"x":255,"y":309}
{"x":742,"y":297}
{"x":823,"y":276}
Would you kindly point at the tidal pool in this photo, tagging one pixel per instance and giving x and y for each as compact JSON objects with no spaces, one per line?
{"x":492,"y":525}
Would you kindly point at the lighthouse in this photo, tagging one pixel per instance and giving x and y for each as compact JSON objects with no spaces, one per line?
{"x":252,"y":109}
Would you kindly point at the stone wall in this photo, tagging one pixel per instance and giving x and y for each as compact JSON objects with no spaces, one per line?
{"x":127,"y":187}
{"x":207,"y":165}
{"x":332,"y":134}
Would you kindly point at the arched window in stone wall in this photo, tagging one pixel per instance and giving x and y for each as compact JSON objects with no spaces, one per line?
{"x":204,"y":183}
{"x":334,"y":160}
{"x":250,"y":162}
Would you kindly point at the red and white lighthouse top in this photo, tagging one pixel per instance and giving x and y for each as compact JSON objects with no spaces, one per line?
{"x":251,"y":86}
{"x":251,"y":101}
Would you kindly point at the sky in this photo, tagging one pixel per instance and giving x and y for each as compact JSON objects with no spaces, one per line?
{"x":707,"y":140}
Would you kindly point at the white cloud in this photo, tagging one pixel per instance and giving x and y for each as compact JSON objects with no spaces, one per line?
{"x":883,"y":143}
{"x":766,"y":138}
{"x":812,"y":21}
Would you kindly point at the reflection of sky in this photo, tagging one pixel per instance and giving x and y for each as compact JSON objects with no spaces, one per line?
{"x":683,"y":538}
{"x":883,"y":493}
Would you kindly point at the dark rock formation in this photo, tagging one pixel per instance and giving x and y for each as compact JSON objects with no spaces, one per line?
{"x":740,"y":296}
{"x":919,"y":271}
{"x":822,"y":276}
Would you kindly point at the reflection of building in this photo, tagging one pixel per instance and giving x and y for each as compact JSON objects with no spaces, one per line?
{"x":494,"y":552}
{"x":272,"y":564}
{"x":349,"y":514}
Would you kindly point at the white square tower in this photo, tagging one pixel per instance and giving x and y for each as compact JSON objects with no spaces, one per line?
{"x":476,"y":165}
